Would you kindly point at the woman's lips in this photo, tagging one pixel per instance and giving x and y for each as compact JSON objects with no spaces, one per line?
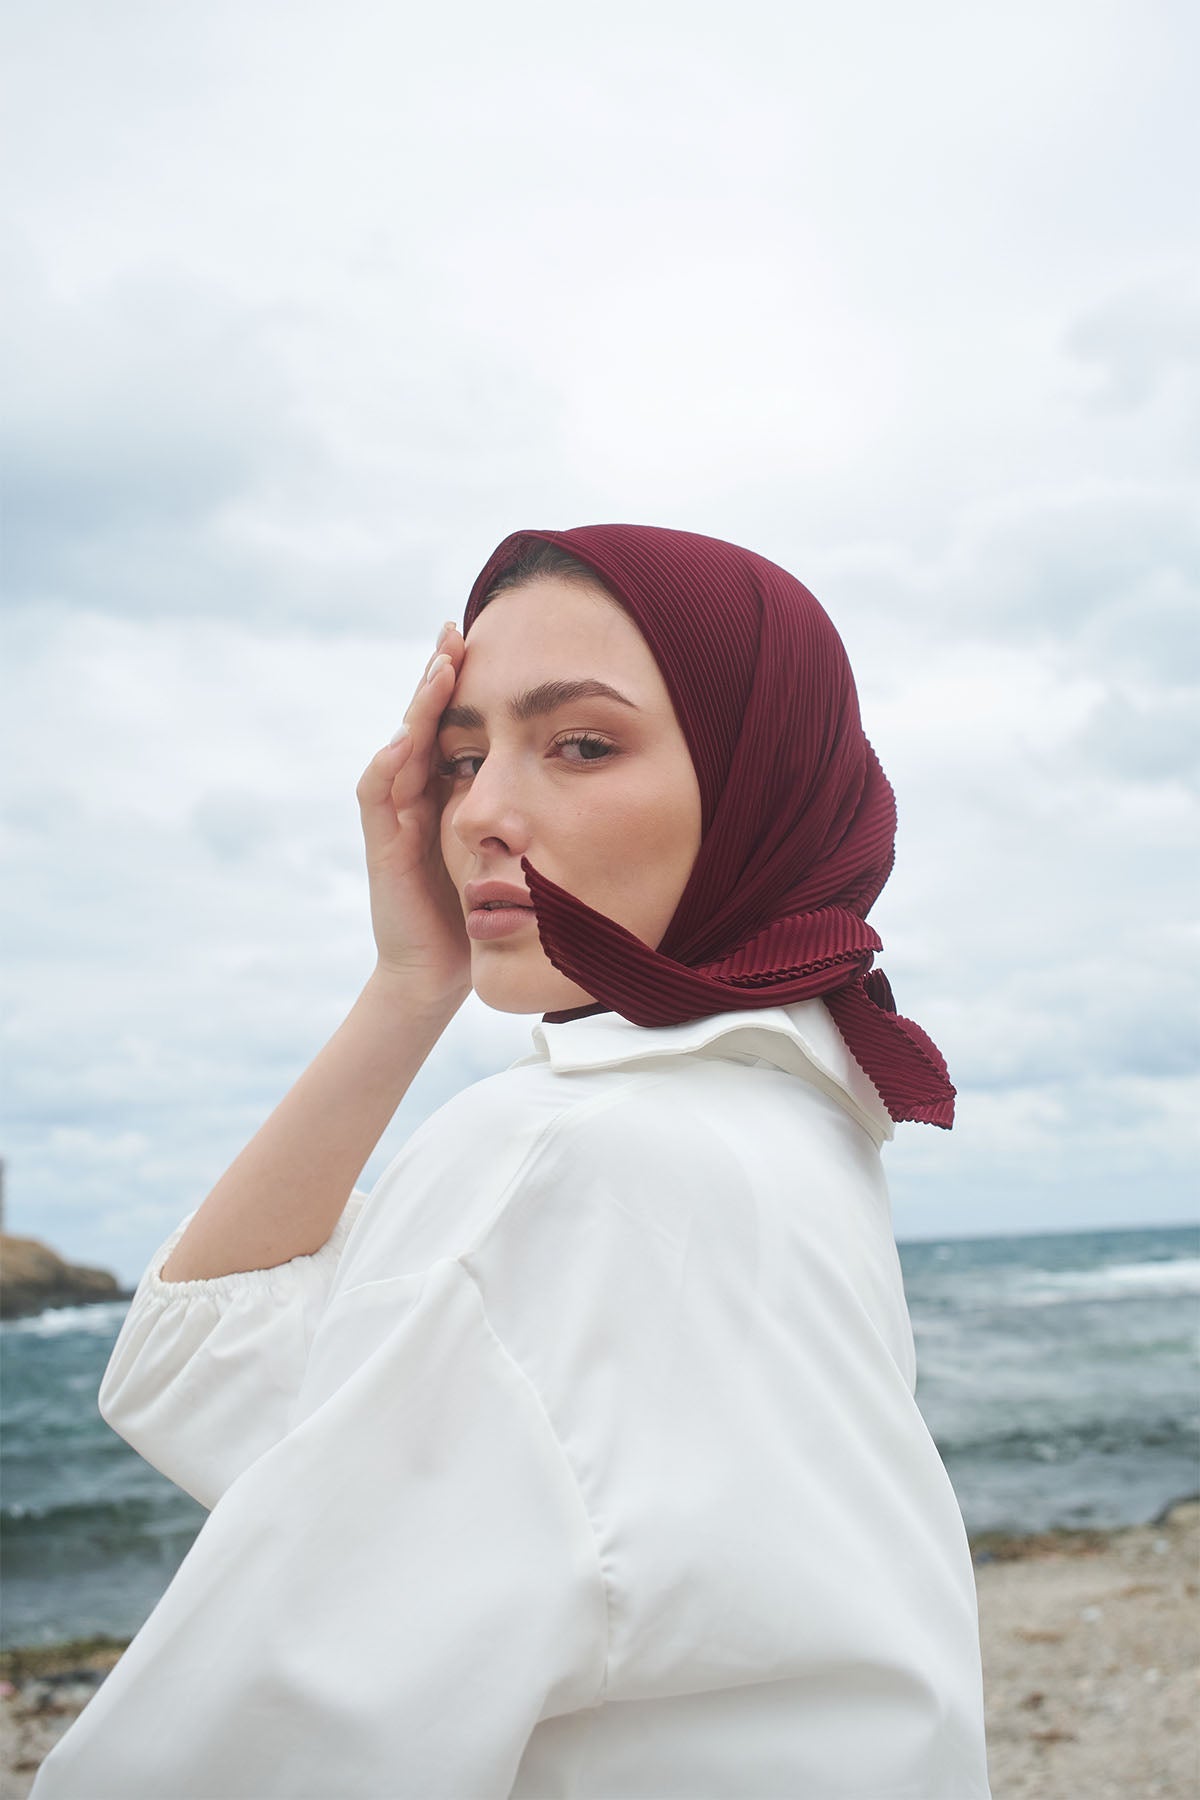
{"x":496,"y":908}
{"x":500,"y":921}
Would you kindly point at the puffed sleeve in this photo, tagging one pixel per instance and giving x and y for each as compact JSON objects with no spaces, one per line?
{"x":204,"y":1374}
{"x":385,"y":1604}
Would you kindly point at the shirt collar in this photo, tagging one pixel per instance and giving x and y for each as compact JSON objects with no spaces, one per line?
{"x":801,"y":1039}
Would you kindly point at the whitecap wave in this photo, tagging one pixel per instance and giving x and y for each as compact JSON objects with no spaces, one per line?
{"x":99,"y":1320}
{"x":1175,"y":1279}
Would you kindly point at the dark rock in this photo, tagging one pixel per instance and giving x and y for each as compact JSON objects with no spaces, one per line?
{"x":33,"y":1277}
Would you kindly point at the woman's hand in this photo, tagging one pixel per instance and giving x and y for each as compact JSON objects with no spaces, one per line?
{"x":284,"y":1194}
{"x":416,"y":912}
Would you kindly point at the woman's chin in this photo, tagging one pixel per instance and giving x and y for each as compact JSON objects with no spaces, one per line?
{"x":503,"y":985}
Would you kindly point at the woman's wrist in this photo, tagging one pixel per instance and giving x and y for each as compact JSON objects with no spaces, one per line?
{"x":412,"y":999}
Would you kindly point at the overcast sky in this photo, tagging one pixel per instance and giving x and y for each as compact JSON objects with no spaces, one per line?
{"x":307,"y":305}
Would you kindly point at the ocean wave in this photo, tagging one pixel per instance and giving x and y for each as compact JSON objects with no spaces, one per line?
{"x":1175,"y":1279}
{"x":82,"y":1514}
{"x":102,"y":1319}
{"x":1085,"y":1437}
{"x":37,"y":1540}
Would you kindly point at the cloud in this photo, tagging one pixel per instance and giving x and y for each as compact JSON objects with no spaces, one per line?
{"x":1105,"y":571}
{"x":167,"y":451}
{"x":1114,"y":1151}
{"x":1141,"y":344}
{"x":1146,"y":734}
{"x":133,"y":416}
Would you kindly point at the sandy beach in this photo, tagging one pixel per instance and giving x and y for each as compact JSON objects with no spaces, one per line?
{"x":1091,"y":1659}
{"x":1091,"y":1654}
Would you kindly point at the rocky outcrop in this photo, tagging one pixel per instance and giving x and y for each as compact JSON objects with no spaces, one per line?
{"x":32,"y":1277}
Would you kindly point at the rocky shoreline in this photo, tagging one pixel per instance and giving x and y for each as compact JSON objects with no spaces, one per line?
{"x":34,"y":1277}
{"x":1091,"y":1657}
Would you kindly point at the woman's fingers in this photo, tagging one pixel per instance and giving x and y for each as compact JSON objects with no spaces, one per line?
{"x":429,"y":701}
{"x":427,"y":706}
{"x":375,"y":802}
{"x":449,"y":642}
{"x":398,"y":775}
{"x":448,"y":654}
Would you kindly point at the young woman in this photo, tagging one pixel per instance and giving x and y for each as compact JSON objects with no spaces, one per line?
{"x":581,"y":1456}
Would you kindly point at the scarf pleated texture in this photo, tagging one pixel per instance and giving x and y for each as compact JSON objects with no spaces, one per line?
{"x":798,"y":818}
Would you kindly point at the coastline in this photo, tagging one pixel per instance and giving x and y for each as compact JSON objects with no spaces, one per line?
{"x":1090,"y":1640}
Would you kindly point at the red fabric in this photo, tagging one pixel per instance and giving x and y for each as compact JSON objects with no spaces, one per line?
{"x":799,"y":819}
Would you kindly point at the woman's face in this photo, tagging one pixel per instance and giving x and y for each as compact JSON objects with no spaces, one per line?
{"x":597,"y":789}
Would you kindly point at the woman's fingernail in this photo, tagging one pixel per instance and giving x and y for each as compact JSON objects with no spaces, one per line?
{"x":436,"y":666}
{"x":448,"y":626}
{"x":398,"y":737}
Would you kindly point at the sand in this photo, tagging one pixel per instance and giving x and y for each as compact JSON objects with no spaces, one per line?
{"x":1091,"y":1663}
{"x":1091,"y":1657}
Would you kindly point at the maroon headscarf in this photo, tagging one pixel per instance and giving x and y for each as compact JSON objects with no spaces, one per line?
{"x":798,"y":818}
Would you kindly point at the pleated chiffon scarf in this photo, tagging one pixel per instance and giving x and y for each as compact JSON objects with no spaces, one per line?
{"x":798,"y":818}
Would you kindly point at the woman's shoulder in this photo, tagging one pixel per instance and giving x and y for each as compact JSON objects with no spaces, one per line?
{"x":528,"y":1130}
{"x":653,"y":1130}
{"x":459,"y":1168}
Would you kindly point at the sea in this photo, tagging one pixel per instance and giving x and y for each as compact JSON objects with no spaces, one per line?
{"x":1057,"y":1374}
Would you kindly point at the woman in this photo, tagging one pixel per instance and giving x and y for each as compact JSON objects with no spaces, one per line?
{"x":581,"y":1457}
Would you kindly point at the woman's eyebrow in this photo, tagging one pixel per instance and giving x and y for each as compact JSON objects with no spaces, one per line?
{"x":534,"y":703}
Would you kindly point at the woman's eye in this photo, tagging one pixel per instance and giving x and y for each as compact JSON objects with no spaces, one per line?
{"x":581,"y":749}
{"x":456,"y":768}
{"x":591,"y":749}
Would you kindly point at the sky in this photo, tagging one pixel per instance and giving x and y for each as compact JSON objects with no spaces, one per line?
{"x":308,"y":305}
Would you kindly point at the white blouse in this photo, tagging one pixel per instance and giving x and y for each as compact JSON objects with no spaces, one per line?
{"x":582,"y":1460}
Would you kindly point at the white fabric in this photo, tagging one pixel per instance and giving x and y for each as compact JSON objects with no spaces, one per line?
{"x":582,"y":1461}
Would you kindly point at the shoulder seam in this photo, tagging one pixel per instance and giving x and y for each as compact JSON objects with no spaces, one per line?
{"x":565,"y":1116}
{"x":523,"y":1372}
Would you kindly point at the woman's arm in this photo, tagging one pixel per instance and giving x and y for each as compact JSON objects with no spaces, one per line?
{"x":283,"y":1195}
{"x":388,"y":1600}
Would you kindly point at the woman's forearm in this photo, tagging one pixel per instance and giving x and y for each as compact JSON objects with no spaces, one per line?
{"x":286,"y":1191}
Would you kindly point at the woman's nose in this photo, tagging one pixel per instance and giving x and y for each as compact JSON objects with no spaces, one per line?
{"x":489,"y":812}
